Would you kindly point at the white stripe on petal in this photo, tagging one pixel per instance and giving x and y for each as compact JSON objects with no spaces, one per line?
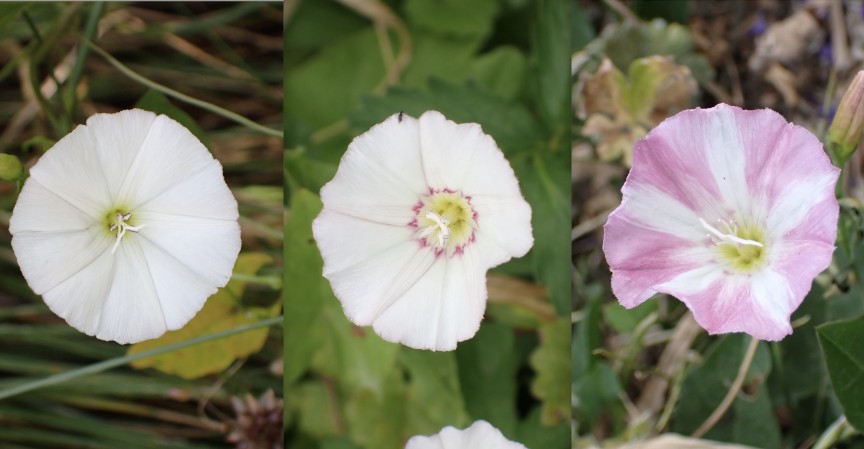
{"x":693,"y":281}
{"x":652,"y":209}
{"x":132,"y":311}
{"x":795,"y":202}
{"x":727,"y":157}
{"x":772,"y":296}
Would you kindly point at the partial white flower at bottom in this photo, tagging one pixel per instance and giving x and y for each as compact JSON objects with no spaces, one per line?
{"x":481,"y":435}
{"x":417,"y":213}
{"x":126,"y":226}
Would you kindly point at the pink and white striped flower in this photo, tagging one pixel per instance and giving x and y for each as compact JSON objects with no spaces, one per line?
{"x":481,"y":435}
{"x":731,"y":211}
{"x":417,"y":213}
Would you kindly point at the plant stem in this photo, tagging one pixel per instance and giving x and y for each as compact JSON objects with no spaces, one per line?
{"x":732,"y":393}
{"x":837,"y":432}
{"x":237,"y":118}
{"x":118,"y":361}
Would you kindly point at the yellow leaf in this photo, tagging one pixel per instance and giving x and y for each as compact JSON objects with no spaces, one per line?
{"x":221,"y":312}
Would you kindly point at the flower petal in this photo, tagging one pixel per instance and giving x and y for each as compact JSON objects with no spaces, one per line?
{"x":118,"y":139}
{"x":442,"y":308}
{"x":205,"y":246}
{"x":368,"y":288}
{"x":159,"y":166}
{"x":202,"y":195}
{"x":181,"y":291}
{"x":345,"y":241}
{"x":71,"y":169}
{"x":449,"y":150}
{"x":759,"y":305}
{"x":80,"y":299}
{"x":49,"y":258}
{"x":505,"y":223}
{"x":40,"y":210}
{"x":481,"y":435}
{"x":643,"y":258}
{"x":380,"y":176}
{"x":131,"y":312}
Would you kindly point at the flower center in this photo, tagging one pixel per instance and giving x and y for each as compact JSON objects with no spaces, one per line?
{"x":743,"y":247}
{"x":445,"y":220}
{"x":119,"y":223}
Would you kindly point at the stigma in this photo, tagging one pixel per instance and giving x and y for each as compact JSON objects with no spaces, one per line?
{"x":121,"y":226}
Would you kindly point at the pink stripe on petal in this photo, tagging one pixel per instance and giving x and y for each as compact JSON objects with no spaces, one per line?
{"x":641,"y":258}
{"x":754,"y":305}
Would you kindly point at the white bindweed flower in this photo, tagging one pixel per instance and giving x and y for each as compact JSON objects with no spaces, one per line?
{"x":417,"y":213}
{"x":126,"y":226}
{"x":481,"y":435}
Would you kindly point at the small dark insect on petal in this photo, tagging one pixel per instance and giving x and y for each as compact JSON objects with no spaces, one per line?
{"x":401,"y":114}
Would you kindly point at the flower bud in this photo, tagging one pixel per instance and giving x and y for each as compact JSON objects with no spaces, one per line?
{"x":10,"y":167}
{"x":845,"y":130}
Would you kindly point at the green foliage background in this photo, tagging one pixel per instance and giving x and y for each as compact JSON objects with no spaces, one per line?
{"x":505,"y":65}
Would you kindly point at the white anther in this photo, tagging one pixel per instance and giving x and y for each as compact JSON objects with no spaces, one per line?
{"x":729,"y":237}
{"x":442,"y":225}
{"x":121,"y":227}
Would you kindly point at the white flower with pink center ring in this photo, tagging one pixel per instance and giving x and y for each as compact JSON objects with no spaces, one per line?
{"x":417,"y":213}
{"x":731,"y":211}
{"x":481,"y":435}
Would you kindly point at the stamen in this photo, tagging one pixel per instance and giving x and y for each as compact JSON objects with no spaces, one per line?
{"x":442,"y":224}
{"x":121,"y":227}
{"x":729,"y":237}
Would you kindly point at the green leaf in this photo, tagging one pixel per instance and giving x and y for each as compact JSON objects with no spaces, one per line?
{"x":751,"y":419}
{"x":597,"y":392}
{"x":552,"y":363}
{"x":581,"y":30}
{"x":625,"y":320}
{"x":222,"y":311}
{"x":317,"y":415}
{"x":303,"y":283}
{"x":545,"y":182}
{"x":501,"y":72}
{"x":533,"y":434}
{"x":510,"y":124}
{"x":433,"y":396}
{"x":552,"y":71}
{"x":378,"y":420}
{"x":9,"y":11}
{"x":487,"y":373}
{"x":326,"y":86}
{"x":155,"y":101}
{"x":844,"y":355}
{"x":452,"y":17}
